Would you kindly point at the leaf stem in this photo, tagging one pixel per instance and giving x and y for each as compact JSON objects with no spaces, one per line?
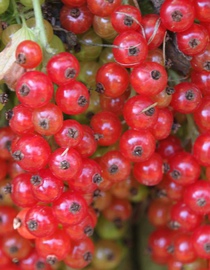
{"x":39,"y":23}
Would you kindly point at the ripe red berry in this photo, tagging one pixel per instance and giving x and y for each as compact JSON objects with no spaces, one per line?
{"x":28,"y":54}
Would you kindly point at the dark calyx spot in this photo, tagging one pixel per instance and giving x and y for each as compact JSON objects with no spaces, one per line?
{"x":177,"y":16}
{"x":18,"y":155}
{"x":110,"y":256}
{"x":32,"y":225}
{"x":175,"y":174}
{"x":113,"y":169}
{"x":98,"y":136}
{"x":166,"y":167}
{"x":170,"y":249}
{"x":133,"y":191}
{"x":44,"y":123}
{"x":88,"y":231}
{"x":21,"y":58}
{"x":138,"y":151}
{"x":36,"y":180}
{"x":207,"y":66}
{"x":201,"y":202}
{"x":118,"y":223}
{"x":128,"y":21}
{"x":70,"y":73}
{"x":132,"y":51}
{"x":72,"y":133}
{"x":170,"y":90}
{"x":75,"y":208}
{"x":40,"y":265}
{"x":174,"y":225}
{"x":150,"y":111}
{"x":24,"y":90}
{"x":51,"y":259}
{"x":97,"y":179}
{"x":75,"y":12}
{"x":4,"y":98}
{"x":82,"y":101}
{"x":9,"y":114}
{"x":96,"y":193}
{"x":100,"y":88}
{"x":64,"y":165}
{"x":194,"y":42}
{"x":189,"y":95}
{"x":206,"y":247}
{"x":155,"y":74}
{"x":7,"y":188}
{"x":88,"y":257}
{"x":13,"y":249}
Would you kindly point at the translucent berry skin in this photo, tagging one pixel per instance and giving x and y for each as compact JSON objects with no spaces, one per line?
{"x":184,"y":169}
{"x":47,"y":120}
{"x":56,"y":246}
{"x":154,"y":30}
{"x":115,"y":166}
{"x":162,"y":127}
{"x":108,"y":126}
{"x":88,"y":145}
{"x":76,"y":3}
{"x":34,"y":260}
{"x":103,"y":8}
{"x":80,"y":254}
{"x":187,"y":97}
{"x":21,"y":191}
{"x":201,"y":149}
{"x":62,"y":68}
{"x":21,"y":120}
{"x":19,"y":221}
{"x":70,"y":134}
{"x":136,"y":145}
{"x":149,"y":78}
{"x":6,"y":138}
{"x":112,"y":80}
{"x":177,"y":16}
{"x":200,"y":61}
{"x":183,"y":248}
{"x":65,"y":164}
{"x":131,"y":49}
{"x":28,"y":54}
{"x":76,"y":19}
{"x":202,"y":115}
{"x":202,"y":81}
{"x":7,"y":214}
{"x":202,"y":8}
{"x":169,"y":146}
{"x":193,"y":40}
{"x":34,"y":89}
{"x":73,"y":97}
{"x":31,"y":152}
{"x":136,"y":114}
{"x":40,"y":221}
{"x":184,"y":218}
{"x":149,"y":172}
{"x":45,"y":186}
{"x":89,"y":179}
{"x":126,"y":17}
{"x":119,"y":210}
{"x":15,"y":246}
{"x":201,"y":240}
{"x":197,"y":197}
{"x":70,"y":208}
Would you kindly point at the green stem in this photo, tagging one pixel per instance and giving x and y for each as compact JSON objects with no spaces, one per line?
{"x":39,"y":23}
{"x":16,"y":13}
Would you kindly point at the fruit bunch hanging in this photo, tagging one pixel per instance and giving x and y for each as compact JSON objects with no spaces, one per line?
{"x":105,"y":134}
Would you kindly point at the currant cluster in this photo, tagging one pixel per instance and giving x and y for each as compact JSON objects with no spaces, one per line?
{"x":96,"y":125}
